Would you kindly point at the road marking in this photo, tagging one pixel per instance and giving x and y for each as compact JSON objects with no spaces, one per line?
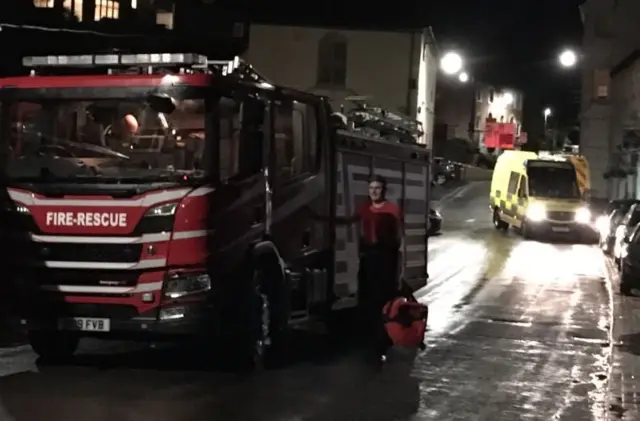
{"x":453,"y":194}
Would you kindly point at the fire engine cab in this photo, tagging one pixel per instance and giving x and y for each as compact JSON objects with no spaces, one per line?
{"x":155,"y":196}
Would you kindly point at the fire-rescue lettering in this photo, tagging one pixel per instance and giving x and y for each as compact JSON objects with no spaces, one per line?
{"x":87,"y":219}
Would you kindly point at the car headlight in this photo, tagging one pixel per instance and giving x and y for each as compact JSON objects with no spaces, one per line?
{"x":583,"y":216}
{"x":536,"y":212}
{"x":167,"y":209}
{"x":185,"y":284}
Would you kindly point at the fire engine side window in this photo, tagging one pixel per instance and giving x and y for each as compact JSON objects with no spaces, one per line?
{"x":295,"y":137}
{"x":241,"y":137}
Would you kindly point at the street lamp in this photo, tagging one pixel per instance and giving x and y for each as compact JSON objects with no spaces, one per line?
{"x":568,"y":58}
{"x":451,"y":63}
{"x":547,"y":113}
{"x":463,"y":77}
{"x":508,"y":98}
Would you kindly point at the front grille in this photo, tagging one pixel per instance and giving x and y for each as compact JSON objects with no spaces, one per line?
{"x":66,"y":252}
{"x":109,"y":311}
{"x":84,"y":277}
{"x":561,"y":216}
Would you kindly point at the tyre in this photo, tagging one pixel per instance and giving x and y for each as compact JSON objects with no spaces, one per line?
{"x":498,"y":223}
{"x":525,"y":230}
{"x":625,"y":282}
{"x":262,"y":333}
{"x":53,"y":346}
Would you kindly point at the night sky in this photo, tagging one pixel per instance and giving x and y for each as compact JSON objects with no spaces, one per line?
{"x":507,"y":42}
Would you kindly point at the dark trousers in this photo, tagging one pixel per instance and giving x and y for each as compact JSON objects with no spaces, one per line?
{"x":378,"y":279}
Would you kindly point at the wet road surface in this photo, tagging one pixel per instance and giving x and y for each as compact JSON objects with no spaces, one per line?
{"x":519,"y":330}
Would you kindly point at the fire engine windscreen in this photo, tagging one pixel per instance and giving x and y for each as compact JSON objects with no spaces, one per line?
{"x":112,"y":139}
{"x":553,"y":181}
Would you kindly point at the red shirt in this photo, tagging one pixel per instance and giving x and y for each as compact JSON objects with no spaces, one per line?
{"x":373,"y":221}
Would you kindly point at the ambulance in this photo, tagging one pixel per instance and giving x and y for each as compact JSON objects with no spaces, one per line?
{"x":539,"y":195}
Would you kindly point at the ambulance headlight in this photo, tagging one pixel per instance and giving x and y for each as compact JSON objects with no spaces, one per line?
{"x":536,"y":212}
{"x":185,"y":284}
{"x":583,"y":216}
{"x":168,"y":209}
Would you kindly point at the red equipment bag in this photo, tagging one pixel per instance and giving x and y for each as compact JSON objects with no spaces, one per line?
{"x":405,"y":321}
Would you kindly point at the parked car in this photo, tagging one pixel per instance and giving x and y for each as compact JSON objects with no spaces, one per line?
{"x":444,"y":170}
{"x":624,"y":229}
{"x":435,"y":222}
{"x":607,"y":224}
{"x":607,"y":227}
{"x":629,"y":262}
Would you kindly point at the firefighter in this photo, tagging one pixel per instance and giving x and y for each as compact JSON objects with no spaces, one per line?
{"x":380,"y":247}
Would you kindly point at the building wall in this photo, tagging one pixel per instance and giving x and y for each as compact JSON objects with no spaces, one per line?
{"x":454,"y":108}
{"x":395,"y":70}
{"x":610,"y":34}
{"x":500,"y":103}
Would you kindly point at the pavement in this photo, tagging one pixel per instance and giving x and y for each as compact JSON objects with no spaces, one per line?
{"x":518,"y":330}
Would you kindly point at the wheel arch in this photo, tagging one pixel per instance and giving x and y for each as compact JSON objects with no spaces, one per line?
{"x":266,"y":250}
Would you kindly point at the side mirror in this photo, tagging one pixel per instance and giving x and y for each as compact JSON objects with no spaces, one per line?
{"x":161,"y":103}
{"x":626,"y":239}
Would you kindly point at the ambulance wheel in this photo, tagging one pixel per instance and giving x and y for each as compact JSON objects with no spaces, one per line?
{"x":53,"y":346}
{"x":263,"y":332}
{"x":525,"y":230}
{"x":498,"y":223}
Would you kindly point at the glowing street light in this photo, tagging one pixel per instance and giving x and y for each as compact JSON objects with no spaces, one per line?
{"x":463,"y":77}
{"x":568,"y":58}
{"x":508,"y":98}
{"x":547,"y":113}
{"x":451,"y":63}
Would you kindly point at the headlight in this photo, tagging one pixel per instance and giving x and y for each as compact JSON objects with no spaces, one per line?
{"x":17,"y":209}
{"x":583,"y":216}
{"x":181,"y":285}
{"x":167,"y":209}
{"x":536,"y":212}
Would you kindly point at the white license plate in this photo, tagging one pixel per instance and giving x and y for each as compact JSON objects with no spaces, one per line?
{"x":560,"y":229}
{"x":86,"y":324}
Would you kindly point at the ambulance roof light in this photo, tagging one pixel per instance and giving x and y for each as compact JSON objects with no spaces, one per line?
{"x":93,"y":60}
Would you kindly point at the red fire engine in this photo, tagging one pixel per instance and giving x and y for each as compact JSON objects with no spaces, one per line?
{"x":164,"y":195}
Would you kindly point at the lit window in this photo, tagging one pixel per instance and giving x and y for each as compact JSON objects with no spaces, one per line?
{"x":106,"y":9}
{"x":75,"y":6}
{"x":134,"y":4}
{"x":43,"y":3}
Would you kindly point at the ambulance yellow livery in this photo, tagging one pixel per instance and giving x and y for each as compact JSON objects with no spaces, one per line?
{"x":539,"y":195}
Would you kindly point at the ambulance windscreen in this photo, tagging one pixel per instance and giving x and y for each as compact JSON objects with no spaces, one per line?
{"x":553,"y":180}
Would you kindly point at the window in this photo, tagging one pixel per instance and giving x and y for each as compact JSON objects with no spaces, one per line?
{"x":106,"y":9}
{"x":513,"y":183}
{"x":478,"y":119}
{"x":522,"y":190}
{"x":43,"y":3}
{"x":241,"y":138}
{"x":295,"y":136}
{"x":491,"y":96}
{"x":332,"y":60}
{"x":75,"y":7}
{"x":478,"y":96}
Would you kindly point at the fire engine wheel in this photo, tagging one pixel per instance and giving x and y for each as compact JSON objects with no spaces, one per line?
{"x":264,"y":330}
{"x":53,"y":346}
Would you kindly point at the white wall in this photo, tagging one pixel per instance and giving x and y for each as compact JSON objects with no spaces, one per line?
{"x":379,"y":64}
{"x":611,"y":33}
